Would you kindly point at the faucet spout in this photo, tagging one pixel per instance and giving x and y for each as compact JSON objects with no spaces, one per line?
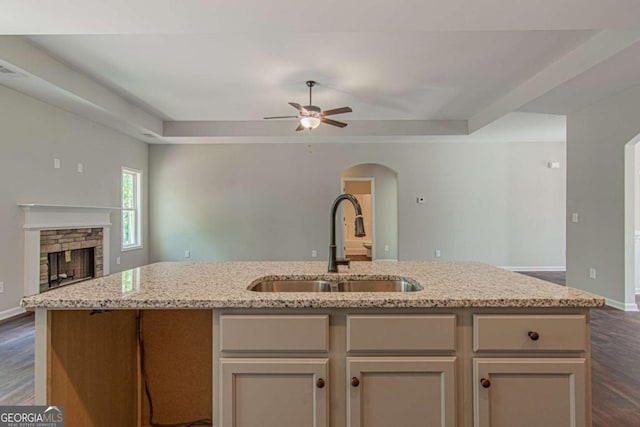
{"x":359,"y":227}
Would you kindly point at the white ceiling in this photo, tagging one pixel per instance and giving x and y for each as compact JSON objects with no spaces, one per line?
{"x":424,"y":60}
{"x":259,"y":16}
{"x":621,"y":72}
{"x":382,"y":76}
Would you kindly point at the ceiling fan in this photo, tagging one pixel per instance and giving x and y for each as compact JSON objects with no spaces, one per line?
{"x":311,"y":116}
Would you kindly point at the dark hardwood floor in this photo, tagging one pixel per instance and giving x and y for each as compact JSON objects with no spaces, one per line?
{"x":16,"y":361}
{"x":615,"y":344}
{"x":615,"y":362}
{"x":615,"y":341}
{"x":558,"y":277}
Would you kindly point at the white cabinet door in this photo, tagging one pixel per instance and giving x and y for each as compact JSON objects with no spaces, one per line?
{"x":401,"y":391}
{"x":530,"y":392}
{"x":274,"y":392}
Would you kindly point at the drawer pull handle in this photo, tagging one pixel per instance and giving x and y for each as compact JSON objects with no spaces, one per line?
{"x":485,"y":383}
{"x":355,"y":382}
{"x":320,"y":383}
{"x":533,"y":335}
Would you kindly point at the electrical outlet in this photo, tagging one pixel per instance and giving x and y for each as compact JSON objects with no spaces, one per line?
{"x":1,"y":287}
{"x":386,"y":248}
{"x":314,"y":254}
{"x":187,"y":253}
{"x":438,"y":253}
{"x":592,"y":273}
{"x":80,"y":168}
{"x":118,"y":260}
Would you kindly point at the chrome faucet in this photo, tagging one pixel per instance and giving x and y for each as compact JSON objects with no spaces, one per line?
{"x":359,"y":231}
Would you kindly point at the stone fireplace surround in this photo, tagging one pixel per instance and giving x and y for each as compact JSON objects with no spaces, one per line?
{"x":69,"y":240}
{"x":74,"y":219}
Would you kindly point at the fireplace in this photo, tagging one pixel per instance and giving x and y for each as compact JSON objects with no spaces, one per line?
{"x":71,"y":266}
{"x":69,"y":256}
{"x":64,"y":229}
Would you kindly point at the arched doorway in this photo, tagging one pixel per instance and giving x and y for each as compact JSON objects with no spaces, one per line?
{"x":376,"y":188}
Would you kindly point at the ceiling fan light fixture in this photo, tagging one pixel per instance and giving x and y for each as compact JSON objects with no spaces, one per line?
{"x":311,"y":116}
{"x":310,"y":122}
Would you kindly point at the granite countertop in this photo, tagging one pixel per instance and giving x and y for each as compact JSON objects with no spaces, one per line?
{"x":224,"y":284}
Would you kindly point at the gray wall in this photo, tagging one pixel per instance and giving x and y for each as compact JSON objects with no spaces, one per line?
{"x":32,"y":134}
{"x":386,"y":206}
{"x":596,"y":139}
{"x":492,"y":202}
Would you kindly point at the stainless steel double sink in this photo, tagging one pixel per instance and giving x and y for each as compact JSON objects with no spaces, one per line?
{"x":342,"y":285}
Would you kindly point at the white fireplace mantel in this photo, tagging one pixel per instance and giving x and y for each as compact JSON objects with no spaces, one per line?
{"x":39,"y":217}
{"x":56,"y":217}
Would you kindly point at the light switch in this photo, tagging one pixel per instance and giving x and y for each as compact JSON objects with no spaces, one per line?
{"x":574,"y":217}
{"x":56,"y":163}
{"x":80,"y":168}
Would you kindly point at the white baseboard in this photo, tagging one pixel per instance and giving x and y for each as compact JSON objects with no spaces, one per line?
{"x":386,"y":260}
{"x":11,"y":312}
{"x":621,"y":305}
{"x":637,"y":291}
{"x":540,"y":268}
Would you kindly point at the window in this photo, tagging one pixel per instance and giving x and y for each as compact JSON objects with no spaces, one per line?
{"x":131,"y":236}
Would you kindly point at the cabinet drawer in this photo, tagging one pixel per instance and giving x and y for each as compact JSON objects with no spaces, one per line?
{"x":401,"y":333}
{"x":529,"y":333}
{"x":274,"y":333}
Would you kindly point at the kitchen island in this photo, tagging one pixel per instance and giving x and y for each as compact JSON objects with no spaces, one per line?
{"x":172,"y":343}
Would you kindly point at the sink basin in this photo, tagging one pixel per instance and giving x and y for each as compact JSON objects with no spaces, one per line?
{"x":378,"y":286}
{"x":353,"y":285}
{"x":291,"y":286}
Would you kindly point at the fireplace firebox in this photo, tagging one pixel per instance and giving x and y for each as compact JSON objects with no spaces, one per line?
{"x":70,"y":266}
{"x":69,"y":256}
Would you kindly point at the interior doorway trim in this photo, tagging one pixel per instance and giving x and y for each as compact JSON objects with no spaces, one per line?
{"x":371,"y":179}
{"x":631,"y":261}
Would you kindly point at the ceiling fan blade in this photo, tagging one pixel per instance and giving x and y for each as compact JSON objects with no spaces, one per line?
{"x":282,"y":117}
{"x":298,"y":107}
{"x":333,"y":122}
{"x":336,"y":111}
{"x":299,"y":128}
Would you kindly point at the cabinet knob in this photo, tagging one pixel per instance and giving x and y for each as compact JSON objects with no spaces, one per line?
{"x":533,"y":335}
{"x":485,"y":383}
{"x":355,"y":382}
{"x":320,"y":383}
